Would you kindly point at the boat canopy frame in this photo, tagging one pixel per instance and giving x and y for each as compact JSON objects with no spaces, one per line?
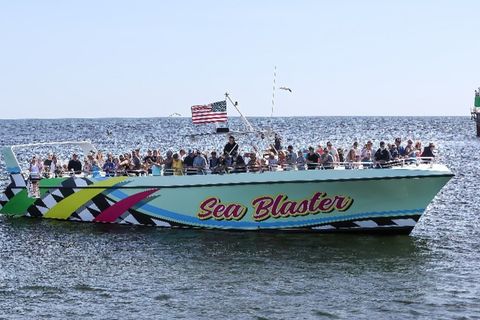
{"x":11,"y":161}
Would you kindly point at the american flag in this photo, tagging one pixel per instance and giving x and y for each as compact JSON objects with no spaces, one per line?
{"x":210,"y":113}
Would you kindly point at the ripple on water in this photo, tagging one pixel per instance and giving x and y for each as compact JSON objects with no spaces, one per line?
{"x":51,"y":269}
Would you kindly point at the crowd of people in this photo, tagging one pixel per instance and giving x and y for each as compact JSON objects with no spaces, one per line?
{"x":230,"y":160}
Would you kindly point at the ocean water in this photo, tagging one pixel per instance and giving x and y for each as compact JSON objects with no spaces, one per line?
{"x":58,"y":270}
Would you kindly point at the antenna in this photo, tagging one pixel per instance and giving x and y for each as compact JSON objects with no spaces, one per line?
{"x":273,"y":93}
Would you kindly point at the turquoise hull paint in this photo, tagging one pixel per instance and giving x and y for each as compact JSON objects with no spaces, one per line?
{"x":377,"y":198}
{"x":319,"y":200}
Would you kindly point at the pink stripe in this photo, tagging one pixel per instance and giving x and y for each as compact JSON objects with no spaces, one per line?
{"x":116,"y":210}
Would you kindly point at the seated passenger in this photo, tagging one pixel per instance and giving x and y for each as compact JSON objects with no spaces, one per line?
{"x":382,"y":156}
{"x":400,"y":148}
{"x":200,"y":162}
{"x":352,"y":157}
{"x":282,"y":159}
{"x":367,"y":154}
{"x":418,"y":149}
{"x":87,"y":167}
{"x":239,"y":165}
{"x":394,"y":152}
{"x":95,"y":169}
{"x":300,"y":162}
{"x":149,"y":156}
{"x":326,"y":159}
{"x":188,"y":162}
{"x":341,"y":157}
{"x":357,"y":153}
{"x":227,"y":160}
{"x":74,"y":165}
{"x":99,"y":158}
{"x":47,"y":162}
{"x":147,"y":166}
{"x":109,"y":166}
{"x":254,"y":164}
{"x":136,"y":164}
{"x":154,"y":156}
{"x":272,"y":162}
{"x":428,"y":153}
{"x":182,"y":154}
{"x":159,"y":158}
{"x":123,"y":165}
{"x":312,"y":159}
{"x":177,"y":165}
{"x":409,"y":149}
{"x":291,"y":157}
{"x":222,"y":166}
{"x":167,"y":164}
{"x":213,"y":162}
{"x":332,"y":150}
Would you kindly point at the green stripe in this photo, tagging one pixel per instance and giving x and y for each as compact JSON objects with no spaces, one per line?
{"x":18,"y":205}
{"x":65,"y":208}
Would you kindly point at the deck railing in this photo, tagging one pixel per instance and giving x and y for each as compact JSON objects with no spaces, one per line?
{"x":255,"y":169}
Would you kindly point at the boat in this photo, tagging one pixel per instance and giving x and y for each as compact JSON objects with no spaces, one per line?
{"x":362,"y":199}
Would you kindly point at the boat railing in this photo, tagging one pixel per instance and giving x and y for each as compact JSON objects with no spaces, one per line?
{"x":254,"y":169}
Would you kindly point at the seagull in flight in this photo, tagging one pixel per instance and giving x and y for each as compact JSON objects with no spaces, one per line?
{"x":285,"y":88}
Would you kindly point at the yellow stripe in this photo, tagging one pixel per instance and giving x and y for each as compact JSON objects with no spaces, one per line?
{"x":65,"y":208}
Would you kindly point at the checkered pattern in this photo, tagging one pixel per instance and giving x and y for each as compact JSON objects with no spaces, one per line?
{"x":17,"y":184}
{"x":370,"y":224}
{"x":49,"y":200}
{"x":55,"y":195}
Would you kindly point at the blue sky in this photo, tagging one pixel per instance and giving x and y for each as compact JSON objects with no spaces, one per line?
{"x":152,"y":58}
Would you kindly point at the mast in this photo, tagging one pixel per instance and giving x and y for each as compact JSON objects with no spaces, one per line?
{"x":235,"y":104}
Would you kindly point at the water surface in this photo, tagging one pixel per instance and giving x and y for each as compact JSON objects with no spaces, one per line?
{"x":54,"y":270}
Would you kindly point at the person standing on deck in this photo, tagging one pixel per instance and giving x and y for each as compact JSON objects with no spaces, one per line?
{"x":277,"y":143}
{"x":231,"y":147}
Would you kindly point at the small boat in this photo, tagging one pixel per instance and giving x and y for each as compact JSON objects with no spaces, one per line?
{"x":389,"y":200}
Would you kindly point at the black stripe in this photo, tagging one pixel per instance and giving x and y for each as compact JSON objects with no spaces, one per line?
{"x":143,"y":219}
{"x":344,"y":224}
{"x":383,"y":221}
{"x":101,"y":202}
{"x":57,"y":198}
{"x":9,"y":193}
{"x":34,"y":212}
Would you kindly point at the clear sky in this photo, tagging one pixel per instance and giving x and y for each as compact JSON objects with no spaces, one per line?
{"x":153,"y":58}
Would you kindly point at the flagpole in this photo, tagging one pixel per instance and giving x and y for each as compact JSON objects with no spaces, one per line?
{"x":247,"y":123}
